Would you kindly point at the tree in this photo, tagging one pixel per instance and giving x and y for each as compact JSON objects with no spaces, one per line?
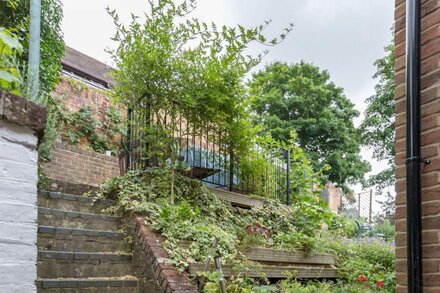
{"x":378,"y":125}
{"x":378,"y":129}
{"x":14,"y":15}
{"x":171,"y":63}
{"x":301,"y":98}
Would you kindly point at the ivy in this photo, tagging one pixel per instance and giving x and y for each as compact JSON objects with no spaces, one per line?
{"x":100,"y":135}
{"x":10,"y":77}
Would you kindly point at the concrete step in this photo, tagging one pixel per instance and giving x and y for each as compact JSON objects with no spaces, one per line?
{"x":62,"y":264}
{"x":126,"y":284}
{"x":71,"y":202}
{"x":73,"y":239}
{"x":72,"y":219}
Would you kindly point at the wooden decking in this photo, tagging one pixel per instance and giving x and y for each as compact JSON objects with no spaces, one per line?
{"x":236,"y":199}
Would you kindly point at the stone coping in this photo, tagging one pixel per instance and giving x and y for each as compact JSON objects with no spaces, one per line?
{"x":20,"y":111}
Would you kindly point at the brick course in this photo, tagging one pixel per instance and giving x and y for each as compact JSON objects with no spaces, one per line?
{"x":76,"y":165}
{"x":430,"y":125}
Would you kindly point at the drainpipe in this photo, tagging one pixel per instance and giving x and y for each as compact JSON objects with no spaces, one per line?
{"x":34,"y":49}
{"x":413,"y":161}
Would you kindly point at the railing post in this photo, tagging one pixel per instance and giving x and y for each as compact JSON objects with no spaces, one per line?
{"x":288,"y":177}
{"x":231,"y":169}
{"x":129,"y":138}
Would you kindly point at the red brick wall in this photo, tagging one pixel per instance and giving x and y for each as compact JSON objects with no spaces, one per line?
{"x":74,"y":95}
{"x":430,"y":112}
{"x":73,"y":164}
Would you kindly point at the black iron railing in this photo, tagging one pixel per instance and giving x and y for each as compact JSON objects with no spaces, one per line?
{"x":202,"y":151}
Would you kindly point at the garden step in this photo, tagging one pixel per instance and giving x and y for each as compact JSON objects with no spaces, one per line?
{"x":71,"y":202}
{"x":272,"y":255}
{"x":63,"y":264}
{"x":126,"y":284}
{"x":281,"y":256}
{"x":73,"y":239}
{"x":271,"y":271}
{"x":237,"y":199}
{"x":73,"y":219}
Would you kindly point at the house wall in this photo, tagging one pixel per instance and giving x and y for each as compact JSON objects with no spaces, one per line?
{"x":19,"y":120}
{"x":430,"y":141}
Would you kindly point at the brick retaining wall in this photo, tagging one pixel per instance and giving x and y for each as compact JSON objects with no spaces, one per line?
{"x":155,"y":258}
{"x":74,"y":164}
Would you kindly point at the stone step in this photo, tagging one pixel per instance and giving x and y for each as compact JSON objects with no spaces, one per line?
{"x":63,"y":264}
{"x":73,"y":239}
{"x":126,"y":284}
{"x":71,"y":202}
{"x":72,"y":219}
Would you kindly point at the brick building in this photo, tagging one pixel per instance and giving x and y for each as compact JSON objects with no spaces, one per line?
{"x":430,"y":145}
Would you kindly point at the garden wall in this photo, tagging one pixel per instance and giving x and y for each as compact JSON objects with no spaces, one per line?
{"x":430,"y":141}
{"x":21,"y":123}
{"x":74,"y":164}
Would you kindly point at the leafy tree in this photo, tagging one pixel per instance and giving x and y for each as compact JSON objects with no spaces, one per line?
{"x":378,"y":125}
{"x":301,"y":98}
{"x":14,"y":15}
{"x":378,"y":129}
{"x":171,"y":63}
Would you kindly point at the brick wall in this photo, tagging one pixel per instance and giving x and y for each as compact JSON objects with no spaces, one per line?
{"x":154,"y":262}
{"x":74,"y":95}
{"x":77,"y":165}
{"x":430,"y":98}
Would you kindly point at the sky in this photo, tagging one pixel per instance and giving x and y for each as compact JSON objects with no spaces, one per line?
{"x":344,"y":37}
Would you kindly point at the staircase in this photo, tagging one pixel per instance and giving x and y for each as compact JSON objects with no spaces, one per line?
{"x":80,"y":249}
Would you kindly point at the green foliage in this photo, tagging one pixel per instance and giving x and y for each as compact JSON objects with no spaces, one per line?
{"x":199,"y":216}
{"x":14,"y":15}
{"x":99,"y":134}
{"x":10,"y":77}
{"x":385,"y":229}
{"x":378,"y":127}
{"x":301,"y":98}
{"x":174,"y":64}
{"x":367,"y":257}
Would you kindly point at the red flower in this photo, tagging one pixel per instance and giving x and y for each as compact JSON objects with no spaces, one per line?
{"x":380,"y":284}
{"x":362,"y":278}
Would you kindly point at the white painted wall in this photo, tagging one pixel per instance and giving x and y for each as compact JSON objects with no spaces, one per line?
{"x":18,"y":208}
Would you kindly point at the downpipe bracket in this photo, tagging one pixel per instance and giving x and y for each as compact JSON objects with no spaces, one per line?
{"x":417,"y":159}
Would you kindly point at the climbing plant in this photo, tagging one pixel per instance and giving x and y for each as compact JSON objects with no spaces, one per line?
{"x":10,"y":77}
{"x":174,"y":64}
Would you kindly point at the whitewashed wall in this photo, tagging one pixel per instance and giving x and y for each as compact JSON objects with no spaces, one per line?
{"x":18,"y":208}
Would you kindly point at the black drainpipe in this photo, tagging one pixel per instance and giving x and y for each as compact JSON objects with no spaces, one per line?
{"x":413,"y":161}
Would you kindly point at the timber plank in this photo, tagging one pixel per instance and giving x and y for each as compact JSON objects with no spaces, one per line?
{"x":276,"y":272}
{"x":285,"y":256}
{"x":237,"y":199}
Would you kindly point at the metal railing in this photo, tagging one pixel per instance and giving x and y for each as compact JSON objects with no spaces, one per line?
{"x":203,"y":152}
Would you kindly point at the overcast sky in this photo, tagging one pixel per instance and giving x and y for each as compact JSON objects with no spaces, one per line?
{"x":344,"y":37}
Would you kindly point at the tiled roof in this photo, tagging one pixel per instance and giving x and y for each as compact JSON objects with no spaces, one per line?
{"x":86,"y":67}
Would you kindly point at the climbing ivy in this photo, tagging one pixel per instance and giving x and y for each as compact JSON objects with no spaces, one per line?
{"x":81,"y":126}
{"x":10,"y":77}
